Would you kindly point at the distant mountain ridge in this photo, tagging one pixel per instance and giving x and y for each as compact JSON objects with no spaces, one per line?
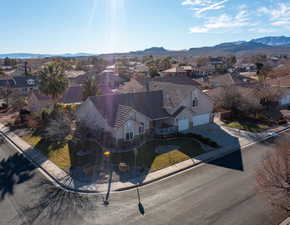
{"x":32,"y":55}
{"x":265,"y":45}
{"x":273,"y":41}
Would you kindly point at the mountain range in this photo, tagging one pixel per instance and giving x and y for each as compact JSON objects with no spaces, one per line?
{"x":32,"y":55}
{"x":265,"y":45}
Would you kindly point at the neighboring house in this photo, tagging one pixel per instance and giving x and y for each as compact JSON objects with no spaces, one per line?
{"x":176,"y":71}
{"x":166,"y":108}
{"x":283,"y":83}
{"x":23,"y":83}
{"x":216,"y":81}
{"x":245,"y":67}
{"x":38,"y":101}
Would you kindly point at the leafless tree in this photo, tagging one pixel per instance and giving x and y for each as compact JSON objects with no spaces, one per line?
{"x":58,"y":128}
{"x":273,"y":176}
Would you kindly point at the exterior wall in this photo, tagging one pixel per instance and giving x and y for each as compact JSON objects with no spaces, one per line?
{"x":136,"y":119}
{"x":87,"y":112}
{"x":35,"y":105}
{"x":205,"y":105}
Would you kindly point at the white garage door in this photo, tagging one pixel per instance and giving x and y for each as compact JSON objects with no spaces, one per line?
{"x":285,"y":100}
{"x":183,"y":125}
{"x":201,"y":119}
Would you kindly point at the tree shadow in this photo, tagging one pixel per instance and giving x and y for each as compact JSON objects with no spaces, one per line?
{"x":57,"y":206}
{"x":14,"y":170}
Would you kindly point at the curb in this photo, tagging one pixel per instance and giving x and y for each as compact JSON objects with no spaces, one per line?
{"x":63,"y":186}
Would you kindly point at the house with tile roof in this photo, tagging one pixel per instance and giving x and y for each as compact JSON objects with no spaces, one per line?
{"x":163,"y":109}
{"x":37,"y":101}
{"x":23,"y":83}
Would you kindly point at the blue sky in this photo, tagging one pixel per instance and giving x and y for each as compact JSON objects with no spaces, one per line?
{"x":102,"y":26}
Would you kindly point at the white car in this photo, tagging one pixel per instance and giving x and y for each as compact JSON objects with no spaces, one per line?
{"x":273,"y":134}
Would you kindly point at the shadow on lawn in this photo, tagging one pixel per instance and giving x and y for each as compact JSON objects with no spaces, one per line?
{"x":145,"y":160}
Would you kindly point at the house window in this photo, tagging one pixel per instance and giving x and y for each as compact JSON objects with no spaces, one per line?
{"x":194,"y":102}
{"x":129,"y":131}
{"x":141,"y":129}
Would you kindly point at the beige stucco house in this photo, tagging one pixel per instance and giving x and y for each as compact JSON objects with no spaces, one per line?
{"x":164,"y":108}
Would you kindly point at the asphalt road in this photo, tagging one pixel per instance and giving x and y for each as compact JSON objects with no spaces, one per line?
{"x":219,"y":193}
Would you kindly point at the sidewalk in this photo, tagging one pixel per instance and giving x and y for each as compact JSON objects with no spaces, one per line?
{"x":286,"y":222}
{"x":64,"y":180}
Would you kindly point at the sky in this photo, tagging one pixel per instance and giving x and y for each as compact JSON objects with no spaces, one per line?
{"x":105,"y":26}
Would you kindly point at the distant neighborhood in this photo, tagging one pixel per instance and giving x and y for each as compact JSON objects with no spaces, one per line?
{"x":72,"y":107}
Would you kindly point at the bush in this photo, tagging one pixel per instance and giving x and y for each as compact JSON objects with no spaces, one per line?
{"x":201,"y":138}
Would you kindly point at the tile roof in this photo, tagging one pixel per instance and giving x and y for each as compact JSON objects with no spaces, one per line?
{"x":72,"y":95}
{"x":113,"y":106}
{"x":280,"y":81}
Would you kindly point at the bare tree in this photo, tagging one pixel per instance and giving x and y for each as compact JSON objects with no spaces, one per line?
{"x":58,"y":128}
{"x":273,"y":176}
{"x":230,"y":98}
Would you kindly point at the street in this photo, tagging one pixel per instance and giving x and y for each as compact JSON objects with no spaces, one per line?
{"x":222,"y":192}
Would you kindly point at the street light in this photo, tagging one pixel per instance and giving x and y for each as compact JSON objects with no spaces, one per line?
{"x":106,"y":200}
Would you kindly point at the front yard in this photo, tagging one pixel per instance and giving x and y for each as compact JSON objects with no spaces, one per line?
{"x":172,"y":151}
{"x":60,"y":155}
{"x":152,"y":156}
{"x":252,"y":127}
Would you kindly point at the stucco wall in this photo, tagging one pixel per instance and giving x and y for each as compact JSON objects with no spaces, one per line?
{"x":136,"y":118}
{"x":87,"y":112}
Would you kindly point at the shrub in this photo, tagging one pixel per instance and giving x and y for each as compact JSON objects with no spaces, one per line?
{"x":201,"y":138}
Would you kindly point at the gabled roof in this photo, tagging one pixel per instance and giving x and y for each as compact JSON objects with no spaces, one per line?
{"x":111,"y":107}
{"x":20,"y":82}
{"x":173,"y":94}
{"x":71,"y":96}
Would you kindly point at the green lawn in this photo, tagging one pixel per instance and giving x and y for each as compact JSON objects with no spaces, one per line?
{"x":255,"y":128}
{"x":59,"y":155}
{"x":148,"y":158}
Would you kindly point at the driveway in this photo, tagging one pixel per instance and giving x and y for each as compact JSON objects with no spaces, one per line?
{"x":228,"y":137}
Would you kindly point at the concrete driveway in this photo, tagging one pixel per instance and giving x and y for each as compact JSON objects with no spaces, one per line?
{"x":227,"y":137}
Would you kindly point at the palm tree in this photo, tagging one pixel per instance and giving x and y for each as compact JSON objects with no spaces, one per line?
{"x":53,"y":81}
{"x":90,"y":88}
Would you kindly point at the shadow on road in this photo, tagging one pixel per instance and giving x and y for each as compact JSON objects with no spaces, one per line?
{"x":14,"y":170}
{"x":233,"y":161}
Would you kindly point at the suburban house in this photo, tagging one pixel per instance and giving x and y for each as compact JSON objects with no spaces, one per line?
{"x":175,"y":71}
{"x":163,"y":110}
{"x":283,"y":83}
{"x":38,"y":101}
{"x":22,"y":83}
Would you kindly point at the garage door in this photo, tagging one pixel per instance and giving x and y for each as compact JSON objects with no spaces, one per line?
{"x":183,"y":125}
{"x":285,"y":100}
{"x":201,"y":119}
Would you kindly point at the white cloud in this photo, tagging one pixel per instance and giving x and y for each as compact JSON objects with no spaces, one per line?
{"x":201,"y":6}
{"x":196,"y":2}
{"x":213,"y":6}
{"x":279,"y":16}
{"x":222,"y":22}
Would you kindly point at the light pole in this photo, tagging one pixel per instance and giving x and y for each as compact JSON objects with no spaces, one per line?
{"x":107,"y":157}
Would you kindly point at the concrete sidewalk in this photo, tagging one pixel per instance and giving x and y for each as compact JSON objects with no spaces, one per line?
{"x":286,"y":222}
{"x":64,"y":180}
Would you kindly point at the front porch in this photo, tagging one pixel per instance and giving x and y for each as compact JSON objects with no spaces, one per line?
{"x":163,"y":127}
